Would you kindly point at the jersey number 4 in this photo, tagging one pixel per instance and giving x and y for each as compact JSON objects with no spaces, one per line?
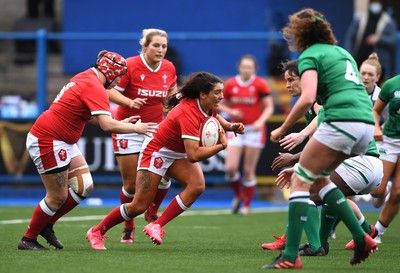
{"x":351,"y":74}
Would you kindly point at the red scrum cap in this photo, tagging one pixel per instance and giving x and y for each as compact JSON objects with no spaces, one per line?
{"x":111,"y":65}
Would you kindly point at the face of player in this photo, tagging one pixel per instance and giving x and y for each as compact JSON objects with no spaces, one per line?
{"x":247,"y":68}
{"x":292,"y":84}
{"x":114,"y":82}
{"x":212,"y":100}
{"x":156,"y":50}
{"x":369,"y":77}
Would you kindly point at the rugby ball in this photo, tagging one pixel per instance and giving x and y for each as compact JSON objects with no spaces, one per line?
{"x":209,"y":132}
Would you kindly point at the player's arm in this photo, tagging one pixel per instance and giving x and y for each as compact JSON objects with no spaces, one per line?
{"x":110,"y":125}
{"x":267,"y":106}
{"x":118,"y":98}
{"x":196,"y":153}
{"x":377,"y":111}
{"x":225,"y":107}
{"x":285,"y":160}
{"x":172,"y":90}
{"x":236,"y":127}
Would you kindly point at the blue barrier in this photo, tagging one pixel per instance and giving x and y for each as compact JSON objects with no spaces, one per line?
{"x":42,"y":36}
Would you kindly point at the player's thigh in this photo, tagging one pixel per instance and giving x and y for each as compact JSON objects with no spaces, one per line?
{"x":77,"y":159}
{"x":128,"y":166}
{"x":251,"y":157}
{"x":396,"y":180}
{"x":186,"y":172}
{"x":232,"y":157}
{"x":317,"y":157}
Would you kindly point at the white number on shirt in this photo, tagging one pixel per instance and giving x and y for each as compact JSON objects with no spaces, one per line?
{"x":351,"y":74}
{"x":65,"y":88}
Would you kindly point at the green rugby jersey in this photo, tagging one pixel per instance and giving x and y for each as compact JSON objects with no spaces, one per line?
{"x":340,"y":88}
{"x":390,"y":94}
{"x":310,"y":115}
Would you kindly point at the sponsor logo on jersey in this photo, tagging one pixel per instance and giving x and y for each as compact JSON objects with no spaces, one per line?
{"x":397,"y":94}
{"x":142,"y":77}
{"x":152,"y":93}
{"x":244,"y":100}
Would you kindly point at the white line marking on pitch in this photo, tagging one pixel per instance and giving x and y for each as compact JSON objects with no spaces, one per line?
{"x":186,"y":213}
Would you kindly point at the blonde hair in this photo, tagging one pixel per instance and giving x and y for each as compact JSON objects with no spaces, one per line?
{"x":307,"y":27}
{"x":148,"y":34}
{"x":373,"y":60}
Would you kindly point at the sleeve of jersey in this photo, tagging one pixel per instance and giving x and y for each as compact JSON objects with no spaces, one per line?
{"x":96,"y":99}
{"x":123,"y":83}
{"x":386,"y":91}
{"x":263,"y":87}
{"x":227,"y":90}
{"x":175,"y":77}
{"x":189,"y":126}
{"x":306,"y":63}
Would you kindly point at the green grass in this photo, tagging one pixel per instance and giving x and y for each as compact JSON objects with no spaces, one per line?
{"x":201,"y":243}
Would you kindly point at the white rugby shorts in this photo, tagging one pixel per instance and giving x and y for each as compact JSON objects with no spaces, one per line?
{"x":361,"y":173}
{"x":48,"y":155}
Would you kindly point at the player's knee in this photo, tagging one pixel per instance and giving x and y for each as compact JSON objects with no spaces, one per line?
{"x":197,"y":188}
{"x":304,"y":174}
{"x":136,"y":208}
{"x":395,"y":195}
{"x":232,"y":175}
{"x":80,"y":180}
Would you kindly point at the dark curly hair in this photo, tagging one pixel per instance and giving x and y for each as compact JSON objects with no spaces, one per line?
{"x":291,"y":67}
{"x":196,"y":83}
{"x":307,"y":27}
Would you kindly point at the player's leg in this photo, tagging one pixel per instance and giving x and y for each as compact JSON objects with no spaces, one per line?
{"x":380,"y":193}
{"x":250,"y":160}
{"x":189,"y":174}
{"x":233,"y":156}
{"x":52,"y":159}
{"x":128,"y":168}
{"x":146,"y":188}
{"x":80,"y":186}
{"x":392,"y":206}
{"x":151,"y":213}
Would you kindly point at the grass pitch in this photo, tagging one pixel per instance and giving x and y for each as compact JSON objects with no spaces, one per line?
{"x":207,"y":242}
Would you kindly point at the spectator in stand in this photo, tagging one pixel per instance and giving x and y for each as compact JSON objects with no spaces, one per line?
{"x":247,"y":99}
{"x":40,"y":8}
{"x":373,"y":31}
